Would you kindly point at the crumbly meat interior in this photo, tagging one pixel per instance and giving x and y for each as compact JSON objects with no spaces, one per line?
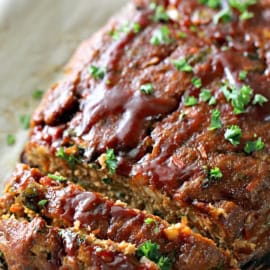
{"x":167,"y":109}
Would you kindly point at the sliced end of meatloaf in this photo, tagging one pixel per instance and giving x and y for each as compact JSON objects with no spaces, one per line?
{"x":66,"y":206}
{"x":35,"y":245}
{"x":167,"y":109}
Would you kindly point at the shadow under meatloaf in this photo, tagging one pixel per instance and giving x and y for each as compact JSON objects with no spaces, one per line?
{"x":64,"y":205}
{"x":129,"y":132}
{"x":36,"y":246}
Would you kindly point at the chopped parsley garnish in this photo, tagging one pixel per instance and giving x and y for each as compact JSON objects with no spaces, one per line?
{"x":111,"y":161}
{"x":182,"y":115}
{"x":97,"y":72}
{"x":152,"y":252}
{"x":182,"y":65}
{"x":191,"y":101}
{"x":239,"y":97}
{"x":205,"y":95}
{"x":233,"y":134}
{"x":210,"y":3}
{"x":215,"y":120}
{"x":11,"y":139}
{"x":225,"y":16}
{"x":182,"y":35}
{"x":136,"y":28}
{"x":149,"y":221}
{"x":212,"y":101}
{"x":161,"y":36}
{"x":242,"y":6}
{"x":259,"y":99}
{"x":160,"y":14}
{"x":72,"y":160}
{"x":43,"y":202}
{"x":58,"y":178}
{"x":37,"y":95}
{"x":243,"y":75}
{"x":147,"y":88}
{"x":253,"y":146}
{"x":216,"y":173}
{"x":197,"y":82}
{"x":25,"y":121}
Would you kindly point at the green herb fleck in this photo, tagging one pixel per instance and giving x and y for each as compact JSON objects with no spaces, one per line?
{"x":136,"y":28}
{"x":43,"y":202}
{"x":11,"y":139}
{"x":149,"y":221}
{"x":161,"y":36}
{"x":160,"y":14}
{"x":182,"y":116}
{"x":242,"y":6}
{"x":72,"y":160}
{"x":246,"y":15}
{"x":182,"y":65}
{"x":216,"y":173}
{"x":212,"y":101}
{"x":37,"y":94}
{"x":215,"y":120}
{"x":239,"y":97}
{"x":259,"y":99}
{"x":210,"y":3}
{"x":233,"y":134}
{"x":253,"y":146}
{"x":225,"y":16}
{"x":205,"y":95}
{"x":243,"y":75}
{"x":182,"y":35}
{"x":97,"y":72}
{"x":151,"y":251}
{"x":197,"y":82}
{"x":111,"y":161}
{"x":25,"y":121}
{"x":191,"y":101}
{"x":147,"y":88}
{"x":164,"y":263}
{"x":58,"y":178}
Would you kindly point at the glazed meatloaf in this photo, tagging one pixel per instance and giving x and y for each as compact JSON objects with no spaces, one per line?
{"x":167,"y":108}
{"x":50,"y":223}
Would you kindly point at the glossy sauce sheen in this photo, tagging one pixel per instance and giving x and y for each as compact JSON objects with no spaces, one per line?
{"x":153,"y":144}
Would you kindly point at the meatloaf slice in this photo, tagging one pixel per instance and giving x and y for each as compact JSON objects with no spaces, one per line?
{"x":65,"y":205}
{"x":36,"y":246}
{"x":167,"y":108}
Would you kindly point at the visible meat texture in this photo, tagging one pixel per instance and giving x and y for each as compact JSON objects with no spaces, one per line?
{"x":68,"y":205}
{"x":161,"y":143}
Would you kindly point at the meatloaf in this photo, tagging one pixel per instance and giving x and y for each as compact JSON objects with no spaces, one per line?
{"x":167,"y":108}
{"x":58,"y":221}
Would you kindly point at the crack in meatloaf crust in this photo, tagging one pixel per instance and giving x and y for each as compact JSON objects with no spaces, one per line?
{"x":68,"y":224}
{"x":166,"y":108}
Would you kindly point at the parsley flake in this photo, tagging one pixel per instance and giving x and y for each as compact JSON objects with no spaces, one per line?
{"x":239,"y":97}
{"x":210,"y":3}
{"x":215,"y":120}
{"x":151,"y":251}
{"x":233,"y":134}
{"x":182,"y":35}
{"x":191,"y":101}
{"x":216,"y":173}
{"x":147,"y":88}
{"x":161,"y":36}
{"x":259,"y":99}
{"x":11,"y":139}
{"x":25,"y":121}
{"x":149,"y":221}
{"x":182,"y":65}
{"x":37,"y":94}
{"x":97,"y":73}
{"x":205,"y":95}
{"x":253,"y":146}
{"x":243,"y":75}
{"x":225,"y":16}
{"x":160,"y":14}
{"x":58,"y":178}
{"x":197,"y":82}
{"x":111,"y":161}
{"x":72,"y":160}
{"x":43,"y":202}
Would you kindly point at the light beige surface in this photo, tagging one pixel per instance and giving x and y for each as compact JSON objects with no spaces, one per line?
{"x":37,"y":37}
